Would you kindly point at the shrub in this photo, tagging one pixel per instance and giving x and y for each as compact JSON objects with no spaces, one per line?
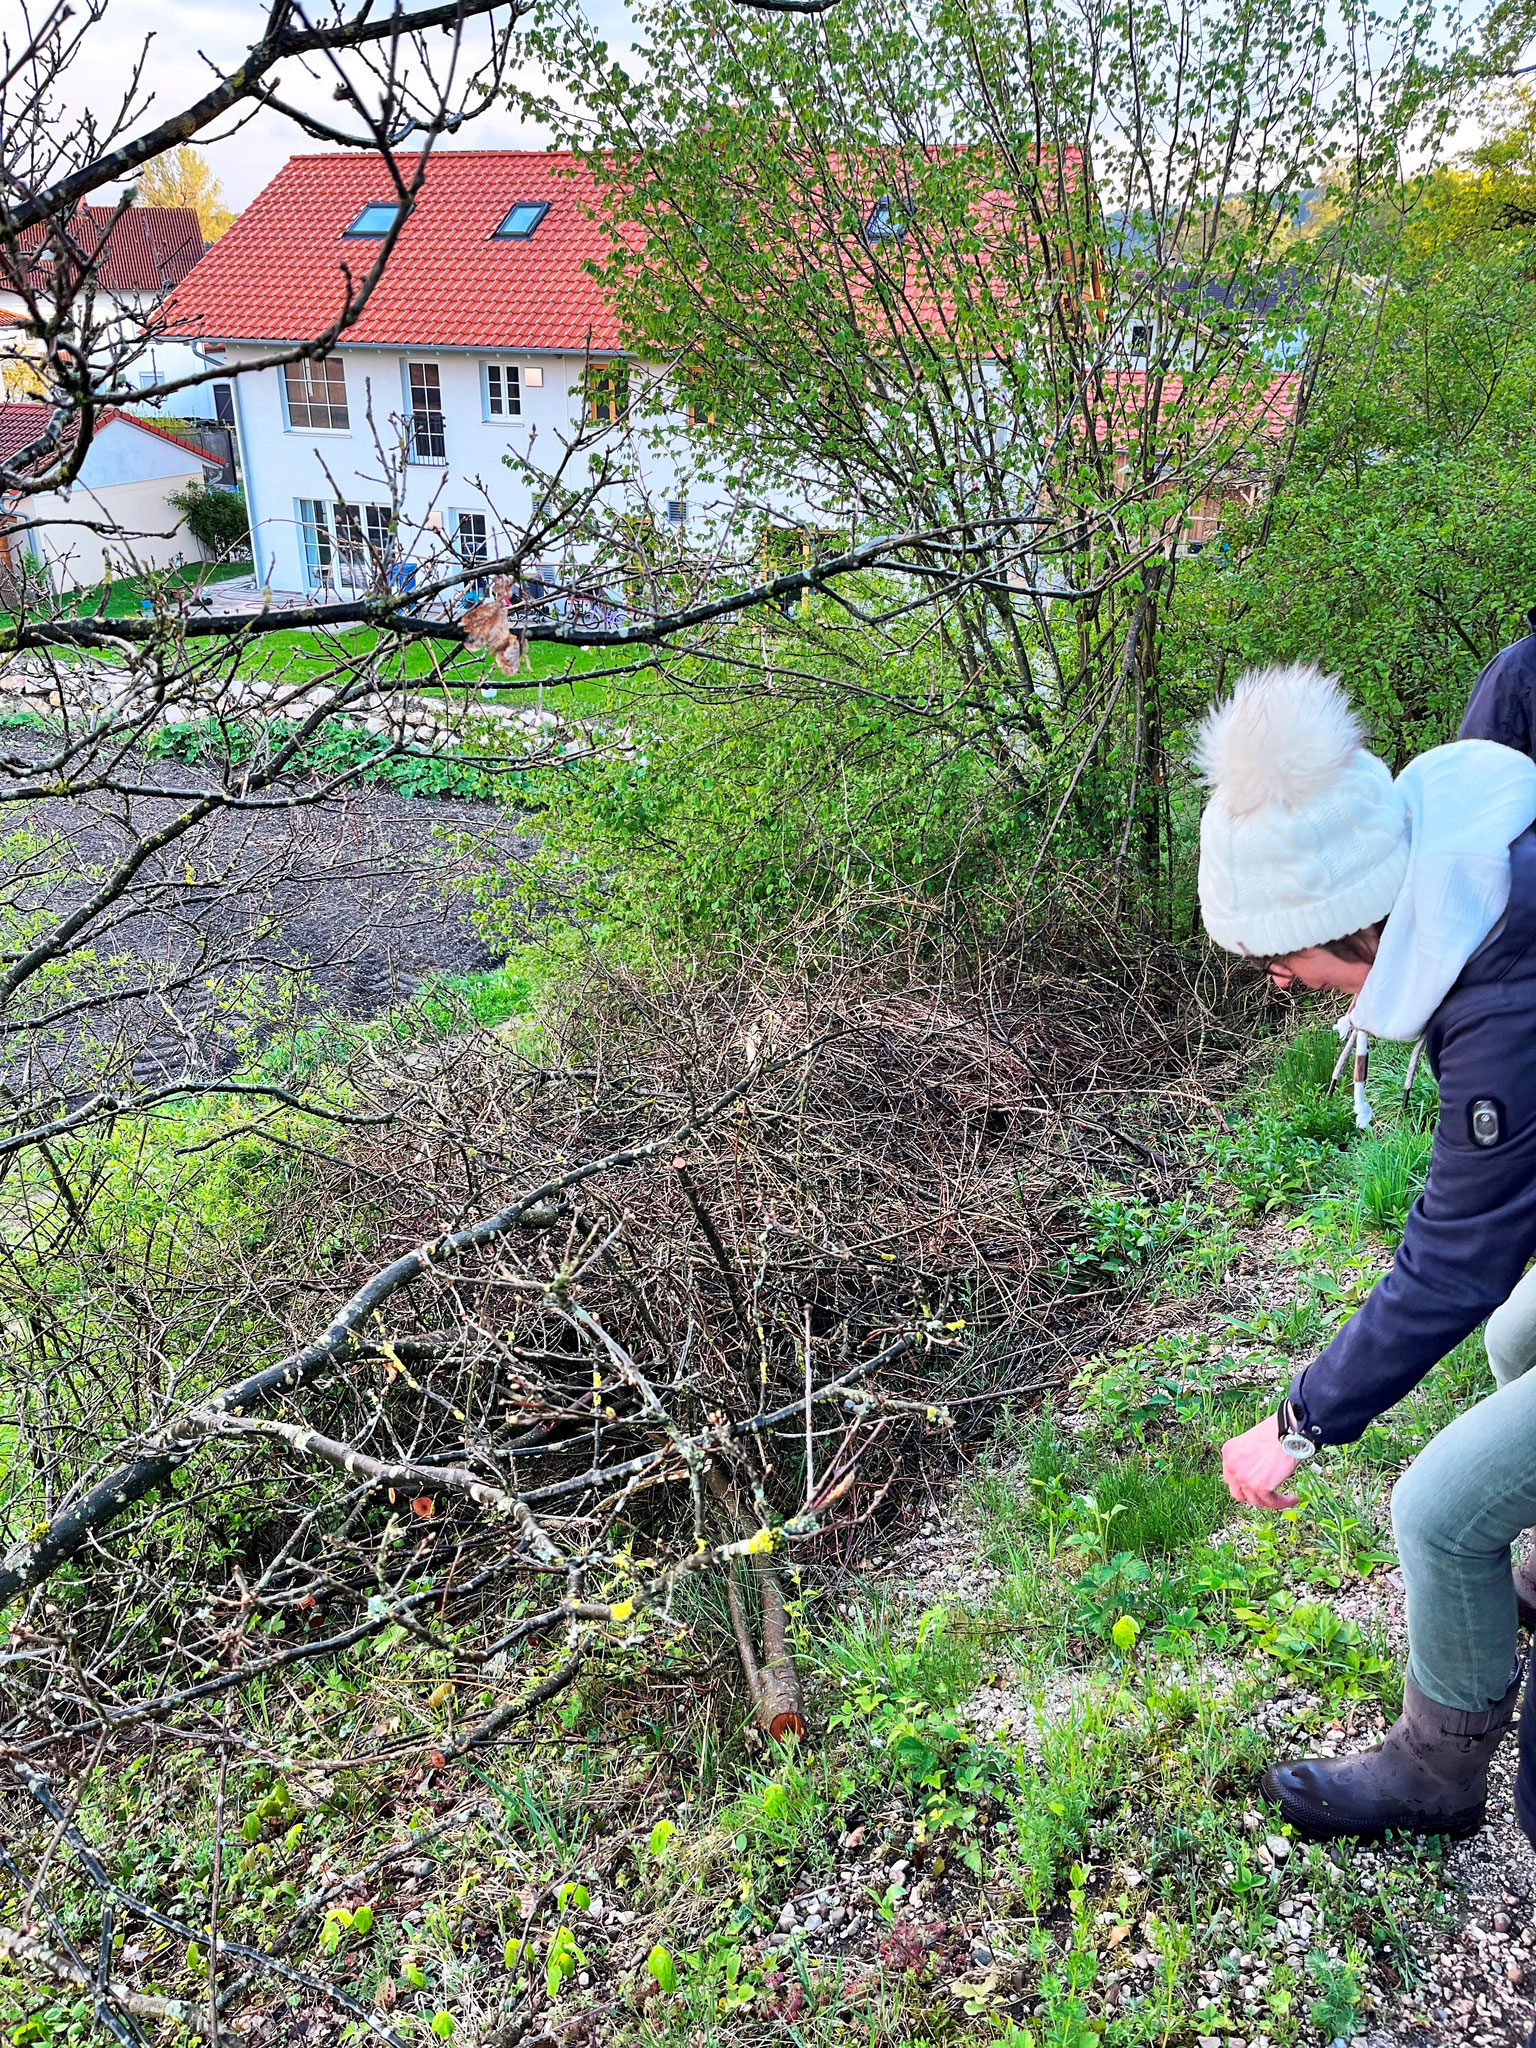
{"x":734,"y":821}
{"x":215,"y":519}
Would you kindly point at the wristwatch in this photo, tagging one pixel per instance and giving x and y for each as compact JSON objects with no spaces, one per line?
{"x":1292,"y":1441}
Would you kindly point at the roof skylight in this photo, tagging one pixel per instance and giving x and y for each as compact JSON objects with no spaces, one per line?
{"x":883,"y":224}
{"x":522,"y":220}
{"x":376,"y":218}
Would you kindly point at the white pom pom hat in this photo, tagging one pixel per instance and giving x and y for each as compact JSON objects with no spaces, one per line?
{"x":1305,"y":838}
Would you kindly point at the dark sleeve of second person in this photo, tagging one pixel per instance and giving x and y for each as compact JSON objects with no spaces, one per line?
{"x":1502,"y":706}
{"x":1468,"y":1238}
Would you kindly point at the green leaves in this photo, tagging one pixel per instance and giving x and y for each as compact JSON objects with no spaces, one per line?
{"x":661,"y":1966}
{"x":660,"y":1836}
{"x":564,"y":1960}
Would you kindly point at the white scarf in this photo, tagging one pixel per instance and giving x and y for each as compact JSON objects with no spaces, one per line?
{"x":1466,"y":803}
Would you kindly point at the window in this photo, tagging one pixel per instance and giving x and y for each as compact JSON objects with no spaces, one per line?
{"x":364,"y":543}
{"x":677,"y":511}
{"x":317,"y":397}
{"x":471,"y":536}
{"x":345,"y":546}
{"x":1141,"y":339}
{"x":698,"y":415}
{"x":883,"y":225}
{"x":503,"y":392}
{"x":375,"y":219}
{"x":607,"y":393}
{"x":429,"y":443}
{"x":314,"y":541}
{"x":472,"y":543}
{"x":521,"y":221}
{"x":224,"y":404}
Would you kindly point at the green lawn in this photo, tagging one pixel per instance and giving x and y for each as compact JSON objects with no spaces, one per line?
{"x":555,"y":671}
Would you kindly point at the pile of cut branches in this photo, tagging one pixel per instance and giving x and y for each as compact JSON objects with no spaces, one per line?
{"x":692,"y":1290}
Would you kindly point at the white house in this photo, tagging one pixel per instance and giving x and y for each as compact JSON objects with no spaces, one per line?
{"x":486,"y":338}
{"x":135,"y":258}
{"x":131,"y":471}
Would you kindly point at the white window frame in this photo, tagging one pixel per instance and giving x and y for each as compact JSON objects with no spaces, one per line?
{"x":505,"y":374}
{"x":368,"y":541}
{"x":418,"y":461}
{"x":334,"y":562}
{"x":317,"y":550}
{"x":471,"y":591}
{"x":341,"y":433}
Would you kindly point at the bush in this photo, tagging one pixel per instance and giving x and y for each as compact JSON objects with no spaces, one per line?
{"x":215,"y":519}
{"x":734,"y":821}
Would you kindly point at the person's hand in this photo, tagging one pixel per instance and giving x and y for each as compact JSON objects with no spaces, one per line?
{"x":1253,"y":1465}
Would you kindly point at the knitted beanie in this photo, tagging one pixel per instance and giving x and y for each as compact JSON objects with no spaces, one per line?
{"x":1305,"y":838}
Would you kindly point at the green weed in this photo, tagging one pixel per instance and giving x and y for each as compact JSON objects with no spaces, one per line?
{"x":1390,"y":1176}
{"x":1123,"y":1233}
{"x":1162,"y":1508}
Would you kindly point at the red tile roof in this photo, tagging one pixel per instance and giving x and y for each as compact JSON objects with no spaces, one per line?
{"x":25,"y":420}
{"x":146,"y":249}
{"x":20,"y":425}
{"x":278,"y":273}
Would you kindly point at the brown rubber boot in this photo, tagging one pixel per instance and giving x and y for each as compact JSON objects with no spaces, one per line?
{"x":1428,"y":1775}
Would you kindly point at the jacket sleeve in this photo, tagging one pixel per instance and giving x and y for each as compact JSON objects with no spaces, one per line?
{"x":1468,"y":1237}
{"x":1500,"y":705}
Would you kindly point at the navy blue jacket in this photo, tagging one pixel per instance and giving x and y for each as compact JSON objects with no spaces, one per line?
{"x":1472,"y":1232}
{"x":1502,"y":706}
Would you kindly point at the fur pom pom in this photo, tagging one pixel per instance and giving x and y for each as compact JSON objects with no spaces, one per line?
{"x":1283,"y":737}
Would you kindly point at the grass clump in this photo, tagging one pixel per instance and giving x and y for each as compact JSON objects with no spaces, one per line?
{"x":1390,"y":1176}
{"x":1162,"y":1510}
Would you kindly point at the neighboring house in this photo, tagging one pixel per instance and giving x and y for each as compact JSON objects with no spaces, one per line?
{"x":486,"y":338}
{"x":136,"y":259}
{"x":131,"y":470}
{"x":486,"y":341}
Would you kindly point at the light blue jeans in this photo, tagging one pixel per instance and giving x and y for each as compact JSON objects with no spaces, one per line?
{"x":1455,"y":1512}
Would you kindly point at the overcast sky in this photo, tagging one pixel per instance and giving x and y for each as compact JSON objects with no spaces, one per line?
{"x":185,"y":33}
{"x":188,"y":39}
